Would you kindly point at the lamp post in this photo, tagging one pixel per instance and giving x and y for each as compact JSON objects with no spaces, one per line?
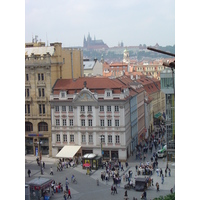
{"x":101,"y":137}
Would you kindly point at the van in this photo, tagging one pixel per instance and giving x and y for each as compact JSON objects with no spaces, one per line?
{"x":162,"y":153}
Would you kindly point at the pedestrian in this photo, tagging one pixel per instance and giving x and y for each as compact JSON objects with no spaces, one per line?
{"x":115,"y":189}
{"x":65,"y":196}
{"x":171,"y":190}
{"x":136,"y":167}
{"x":160,"y":172}
{"x":29,"y":173}
{"x":157,"y":186}
{"x":126,"y":164}
{"x":125,"y":195}
{"x":51,"y":171}
{"x":169,"y":171}
{"x":69,"y":194}
{"x":122,"y":168}
{"x":162,"y":178}
{"x":166,"y":172}
{"x":145,"y":194}
{"x":112,"y":189}
{"x":43,"y":164}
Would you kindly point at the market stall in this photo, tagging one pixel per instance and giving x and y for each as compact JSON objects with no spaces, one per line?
{"x":40,"y":188}
{"x":94,"y":161}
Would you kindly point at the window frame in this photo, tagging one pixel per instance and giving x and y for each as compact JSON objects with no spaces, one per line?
{"x":89,"y":122}
{"x":64,"y":137}
{"x":101,"y":108}
{"x":64,"y":122}
{"x":71,"y":138}
{"x":117,"y":122}
{"x":109,"y":139}
{"x":71,"y":122}
{"x":90,"y":138}
{"x":109,"y":122}
{"x":57,"y":137}
{"x":109,"y":109}
{"x":117,"y":139}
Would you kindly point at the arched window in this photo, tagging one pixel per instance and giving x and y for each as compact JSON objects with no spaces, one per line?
{"x":42,"y":126}
{"x":28,"y":126}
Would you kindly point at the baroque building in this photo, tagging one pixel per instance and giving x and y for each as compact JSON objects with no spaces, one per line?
{"x":87,"y":109}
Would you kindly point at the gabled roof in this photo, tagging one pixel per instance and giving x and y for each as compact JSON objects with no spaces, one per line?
{"x":88,"y":64}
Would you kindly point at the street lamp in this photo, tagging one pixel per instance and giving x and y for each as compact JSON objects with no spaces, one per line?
{"x":101,"y":137}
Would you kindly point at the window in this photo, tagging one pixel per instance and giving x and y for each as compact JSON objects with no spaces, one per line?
{"x":117,"y":141}
{"x":101,"y":108}
{"x":102,"y":138}
{"x":108,"y":94}
{"x":64,"y":108}
{"x":27,"y":108}
{"x":70,"y":109}
{"x":27,"y":77}
{"x":71,"y":138}
{"x":64,"y":122}
{"x":71,"y":122}
{"x":57,"y":137}
{"x":62,"y":94}
{"x":116,"y":108}
{"x":108,"y":108}
{"x":57,"y":122}
{"x":42,"y":126}
{"x":102,"y":122}
{"x":42,"y":108}
{"x":40,"y":77}
{"x":64,"y":138}
{"x":41,"y":92}
{"x":90,"y":138}
{"x":83,"y":138}
{"x":82,"y":108}
{"x":110,"y":139}
{"x":82,"y":122}
{"x":27,"y":92}
{"x":89,"y":108}
{"x":116,"y":122}
{"x":109,"y":122}
{"x":57,"y":108}
{"x":90,"y":122}
{"x":28,"y":126}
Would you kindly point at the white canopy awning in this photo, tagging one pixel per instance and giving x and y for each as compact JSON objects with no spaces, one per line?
{"x":68,"y":151}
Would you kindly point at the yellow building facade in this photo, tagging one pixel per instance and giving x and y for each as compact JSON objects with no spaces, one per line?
{"x":43,"y":66}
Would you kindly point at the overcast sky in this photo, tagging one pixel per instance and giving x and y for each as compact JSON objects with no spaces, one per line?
{"x":132,"y":22}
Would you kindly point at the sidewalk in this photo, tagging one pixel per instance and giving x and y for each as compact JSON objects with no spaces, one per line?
{"x":45,"y":158}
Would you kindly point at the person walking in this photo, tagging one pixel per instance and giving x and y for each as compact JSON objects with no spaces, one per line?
{"x":65,"y":196}
{"x":112,"y":189}
{"x":69,"y":194}
{"x":29,"y":173}
{"x":115,"y":189}
{"x":125,"y":195}
{"x":51,"y":171}
{"x":136,"y":167}
{"x":160,"y":172}
{"x":43,"y":164}
{"x":169,"y":171}
{"x":166,"y":172}
{"x":162,"y":178}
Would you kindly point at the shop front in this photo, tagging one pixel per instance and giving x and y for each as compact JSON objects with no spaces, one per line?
{"x":93,"y":160}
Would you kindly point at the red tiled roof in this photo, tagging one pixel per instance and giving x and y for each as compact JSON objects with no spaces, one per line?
{"x":93,"y":83}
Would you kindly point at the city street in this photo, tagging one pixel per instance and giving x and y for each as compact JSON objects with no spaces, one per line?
{"x":87,"y":188}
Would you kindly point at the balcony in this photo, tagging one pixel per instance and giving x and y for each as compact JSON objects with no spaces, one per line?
{"x":41,"y":84}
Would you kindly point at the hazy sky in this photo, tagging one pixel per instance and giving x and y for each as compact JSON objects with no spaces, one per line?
{"x":132,"y":21}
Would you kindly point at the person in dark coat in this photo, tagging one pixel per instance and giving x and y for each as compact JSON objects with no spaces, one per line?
{"x":29,"y":173}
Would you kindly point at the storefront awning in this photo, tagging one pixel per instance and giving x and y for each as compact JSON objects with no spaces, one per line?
{"x":68,"y":151}
{"x":157,"y":115}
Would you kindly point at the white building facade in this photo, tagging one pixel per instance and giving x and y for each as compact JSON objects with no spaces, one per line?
{"x":82,"y":115}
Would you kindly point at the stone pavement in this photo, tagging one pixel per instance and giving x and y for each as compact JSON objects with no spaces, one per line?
{"x":169,"y":182}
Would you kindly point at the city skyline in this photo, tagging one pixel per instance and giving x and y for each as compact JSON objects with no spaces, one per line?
{"x":132,"y":22}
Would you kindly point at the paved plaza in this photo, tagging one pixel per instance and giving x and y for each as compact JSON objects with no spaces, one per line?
{"x":87,"y":188}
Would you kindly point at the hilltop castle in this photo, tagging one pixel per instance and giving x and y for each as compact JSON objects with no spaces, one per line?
{"x":90,"y":44}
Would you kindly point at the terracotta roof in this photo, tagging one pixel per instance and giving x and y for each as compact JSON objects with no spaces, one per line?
{"x":92,"y":83}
